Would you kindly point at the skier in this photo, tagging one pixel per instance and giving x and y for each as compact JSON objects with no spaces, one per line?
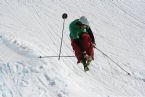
{"x":82,"y":41}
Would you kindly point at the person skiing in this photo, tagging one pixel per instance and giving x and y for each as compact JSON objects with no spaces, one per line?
{"x":82,"y":41}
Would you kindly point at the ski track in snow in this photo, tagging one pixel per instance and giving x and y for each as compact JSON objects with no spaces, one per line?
{"x":26,"y":30}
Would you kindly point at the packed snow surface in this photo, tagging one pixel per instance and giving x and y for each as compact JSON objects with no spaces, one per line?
{"x":33,"y":28}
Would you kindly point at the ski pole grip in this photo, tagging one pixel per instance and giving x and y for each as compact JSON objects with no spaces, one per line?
{"x":64,"y":15}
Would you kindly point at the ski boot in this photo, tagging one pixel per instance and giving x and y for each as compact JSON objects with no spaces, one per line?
{"x":88,"y":59}
{"x":84,"y":62}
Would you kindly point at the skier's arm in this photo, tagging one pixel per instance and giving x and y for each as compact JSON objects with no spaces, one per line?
{"x":91,"y":34}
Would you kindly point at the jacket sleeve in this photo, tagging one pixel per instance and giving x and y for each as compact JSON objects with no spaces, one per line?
{"x":91,"y":34}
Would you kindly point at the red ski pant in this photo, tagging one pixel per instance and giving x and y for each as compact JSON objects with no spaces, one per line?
{"x":87,"y":46}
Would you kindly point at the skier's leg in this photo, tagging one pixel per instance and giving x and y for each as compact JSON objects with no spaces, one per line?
{"x":77,"y":51}
{"x":87,"y":44}
{"x":84,"y":62}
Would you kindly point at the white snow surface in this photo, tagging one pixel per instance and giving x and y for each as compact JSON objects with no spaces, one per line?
{"x":33,"y":28}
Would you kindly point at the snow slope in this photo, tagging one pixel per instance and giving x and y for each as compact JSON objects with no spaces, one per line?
{"x":30,"y":28}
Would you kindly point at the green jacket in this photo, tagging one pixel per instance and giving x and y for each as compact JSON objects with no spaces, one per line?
{"x":76,"y":31}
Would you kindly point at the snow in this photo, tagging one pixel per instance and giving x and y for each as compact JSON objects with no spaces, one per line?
{"x":33,"y":28}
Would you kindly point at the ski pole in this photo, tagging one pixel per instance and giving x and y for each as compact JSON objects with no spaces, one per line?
{"x":53,"y":56}
{"x":112,"y":60}
{"x":64,"y":16}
